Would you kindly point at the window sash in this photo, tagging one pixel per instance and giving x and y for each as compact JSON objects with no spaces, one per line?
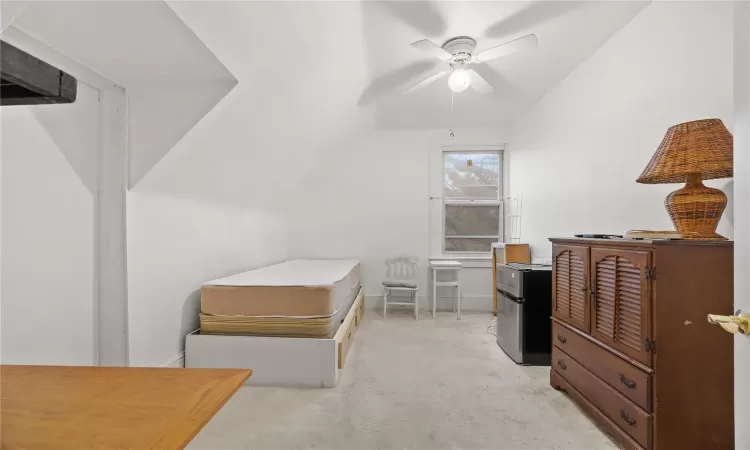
{"x":496,"y":238}
{"x":468,"y":201}
{"x":498,"y":186}
{"x":467,"y":252}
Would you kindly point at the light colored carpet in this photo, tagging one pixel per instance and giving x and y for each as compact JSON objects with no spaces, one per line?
{"x":411,"y":384}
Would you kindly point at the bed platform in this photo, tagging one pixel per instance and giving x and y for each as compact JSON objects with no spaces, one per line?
{"x":291,"y":323}
{"x":279,"y":361}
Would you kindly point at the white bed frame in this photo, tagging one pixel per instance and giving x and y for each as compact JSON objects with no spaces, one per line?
{"x":279,"y":361}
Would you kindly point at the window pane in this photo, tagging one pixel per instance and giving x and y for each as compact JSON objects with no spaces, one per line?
{"x":470,"y":220}
{"x":471,"y":175}
{"x":475,"y":245}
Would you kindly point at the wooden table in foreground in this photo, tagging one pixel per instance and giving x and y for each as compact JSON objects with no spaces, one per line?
{"x":48,"y":407}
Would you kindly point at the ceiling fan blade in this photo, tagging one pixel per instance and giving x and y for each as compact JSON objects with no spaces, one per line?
{"x":520,"y":44}
{"x":427,"y":81}
{"x":423,"y":16}
{"x":478,"y":83}
{"x":531,"y":17}
{"x":394,"y":80}
{"x":433,"y":49}
{"x":501,"y":86}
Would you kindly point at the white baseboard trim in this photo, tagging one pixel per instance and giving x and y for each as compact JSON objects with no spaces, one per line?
{"x":176,"y":362}
{"x":469,"y":303}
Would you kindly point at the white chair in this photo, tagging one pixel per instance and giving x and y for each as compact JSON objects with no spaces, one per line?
{"x":401,"y":276}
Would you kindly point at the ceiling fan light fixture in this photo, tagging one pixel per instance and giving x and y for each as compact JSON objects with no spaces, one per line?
{"x":459,"y":80}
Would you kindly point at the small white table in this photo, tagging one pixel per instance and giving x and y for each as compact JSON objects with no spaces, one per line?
{"x":453,"y":266}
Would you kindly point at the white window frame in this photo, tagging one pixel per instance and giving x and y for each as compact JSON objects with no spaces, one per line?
{"x":500,"y":149}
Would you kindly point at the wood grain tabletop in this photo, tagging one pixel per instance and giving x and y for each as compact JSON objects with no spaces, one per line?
{"x":50,"y":407}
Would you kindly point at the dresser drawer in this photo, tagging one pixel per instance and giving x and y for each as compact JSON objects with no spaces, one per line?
{"x":629,"y":417}
{"x":627,"y":379}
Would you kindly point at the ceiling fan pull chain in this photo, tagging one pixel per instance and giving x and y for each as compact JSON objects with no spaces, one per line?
{"x":451,"y":133}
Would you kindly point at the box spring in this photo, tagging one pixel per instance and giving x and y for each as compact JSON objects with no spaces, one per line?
{"x":325,"y":326}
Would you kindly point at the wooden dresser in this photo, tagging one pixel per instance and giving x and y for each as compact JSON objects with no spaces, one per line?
{"x":631,"y":343}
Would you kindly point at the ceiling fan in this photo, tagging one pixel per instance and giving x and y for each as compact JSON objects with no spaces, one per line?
{"x":459,"y":52}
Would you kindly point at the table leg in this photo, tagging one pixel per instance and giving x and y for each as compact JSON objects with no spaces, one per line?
{"x":455,"y":297}
{"x":434,"y":292}
{"x":416,"y":305}
{"x":458,"y":298}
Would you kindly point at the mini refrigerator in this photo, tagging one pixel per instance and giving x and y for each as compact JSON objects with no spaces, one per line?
{"x":524,"y":310}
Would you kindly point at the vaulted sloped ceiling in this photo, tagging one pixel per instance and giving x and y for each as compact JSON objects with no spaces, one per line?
{"x":160,"y":117}
{"x":568,"y":33}
{"x":10,"y":11}
{"x":312,"y":76}
{"x":172,"y":80}
{"x":301,"y":69}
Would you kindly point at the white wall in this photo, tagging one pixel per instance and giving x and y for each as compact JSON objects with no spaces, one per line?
{"x":49,"y":165}
{"x":576,"y":154}
{"x":370,"y":200}
{"x":174,"y":245}
{"x":742,"y":239}
{"x":219,"y":201}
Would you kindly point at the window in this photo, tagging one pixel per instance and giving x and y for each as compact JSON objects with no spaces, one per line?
{"x":472,"y":192}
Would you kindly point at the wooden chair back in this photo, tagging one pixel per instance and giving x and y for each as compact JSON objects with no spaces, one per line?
{"x":401,"y":267}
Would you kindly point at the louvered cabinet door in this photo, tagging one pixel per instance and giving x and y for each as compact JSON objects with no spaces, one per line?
{"x":569,"y":289}
{"x":621,"y":301}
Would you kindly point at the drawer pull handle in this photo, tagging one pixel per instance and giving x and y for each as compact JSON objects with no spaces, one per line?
{"x":626,"y":417}
{"x":627,"y":381}
{"x":561,"y":364}
{"x":561,"y":339}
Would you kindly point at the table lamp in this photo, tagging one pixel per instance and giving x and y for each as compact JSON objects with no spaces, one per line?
{"x":691,"y":152}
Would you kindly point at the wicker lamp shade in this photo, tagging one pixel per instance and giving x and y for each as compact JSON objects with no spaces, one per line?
{"x":691,"y":152}
{"x":701,"y":146}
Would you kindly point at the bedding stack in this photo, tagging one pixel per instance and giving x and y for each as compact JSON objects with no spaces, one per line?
{"x":298,"y":298}
{"x":292,"y":323}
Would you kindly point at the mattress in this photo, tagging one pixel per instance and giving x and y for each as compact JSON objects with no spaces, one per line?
{"x":294,"y":298}
{"x":313,"y":327}
{"x":297,"y":288}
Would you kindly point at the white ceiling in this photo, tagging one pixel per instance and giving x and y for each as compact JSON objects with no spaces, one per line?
{"x":311,"y":76}
{"x":171,"y":78}
{"x":129,"y":42}
{"x":296,"y":100}
{"x":568,"y":32}
{"x":290,"y":40}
